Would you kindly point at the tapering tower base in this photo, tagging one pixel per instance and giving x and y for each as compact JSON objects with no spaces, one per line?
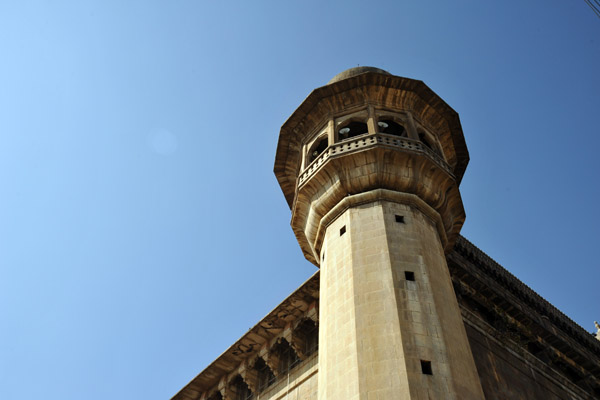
{"x":385,"y":290}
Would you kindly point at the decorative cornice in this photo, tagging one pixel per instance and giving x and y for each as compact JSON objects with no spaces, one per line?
{"x":520,"y":315}
{"x":563,"y":338}
{"x":516,"y":349}
{"x":301,"y":304}
{"x":526,"y":294}
{"x":367,"y":141}
{"x":367,"y":163}
{"x":380,"y":195}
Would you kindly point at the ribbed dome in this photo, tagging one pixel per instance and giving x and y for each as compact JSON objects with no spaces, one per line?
{"x":349,"y":73}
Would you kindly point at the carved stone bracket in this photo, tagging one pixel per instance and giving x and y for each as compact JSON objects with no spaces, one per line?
{"x":227,"y":393}
{"x":250,"y":375}
{"x":271,"y":359}
{"x":296,"y":341}
{"x":210,"y":394}
{"x":313,"y":312}
{"x":240,"y":359}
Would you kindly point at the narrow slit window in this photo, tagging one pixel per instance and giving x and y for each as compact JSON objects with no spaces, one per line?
{"x":343,"y":230}
{"x":400,"y":218}
{"x":409,"y":275}
{"x":426,"y":367}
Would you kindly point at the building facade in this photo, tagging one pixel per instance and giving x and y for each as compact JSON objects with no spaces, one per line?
{"x":402,"y":307}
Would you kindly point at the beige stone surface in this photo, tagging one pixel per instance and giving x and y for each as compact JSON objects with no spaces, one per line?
{"x":300,"y":384}
{"x":376,"y":326}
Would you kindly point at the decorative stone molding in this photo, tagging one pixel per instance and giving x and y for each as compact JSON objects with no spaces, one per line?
{"x":537,"y":362}
{"x":363,"y":142}
{"x":368,"y":90}
{"x":520,"y":319}
{"x":396,"y":164}
{"x":296,"y":341}
{"x":241,"y":356}
{"x":525,"y":293}
{"x":250,"y":375}
{"x":380,"y":195}
{"x":227,"y":392}
{"x":271,"y":359}
{"x":211,"y":394}
{"x":313,"y":312}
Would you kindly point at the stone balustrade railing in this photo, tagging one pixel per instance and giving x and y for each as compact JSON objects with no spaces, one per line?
{"x":365,"y":141}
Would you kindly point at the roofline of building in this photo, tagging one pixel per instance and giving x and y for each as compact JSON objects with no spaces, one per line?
{"x":305,"y":287}
{"x":463,"y":247}
{"x":528,"y":295}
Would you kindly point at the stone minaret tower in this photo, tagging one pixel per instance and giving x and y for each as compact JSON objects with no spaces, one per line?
{"x":370,"y":166}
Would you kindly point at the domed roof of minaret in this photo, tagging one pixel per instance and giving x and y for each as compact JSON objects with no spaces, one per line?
{"x":349,"y":73}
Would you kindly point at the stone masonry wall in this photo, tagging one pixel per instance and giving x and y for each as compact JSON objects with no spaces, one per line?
{"x":375,"y":327}
{"x":300,"y":384}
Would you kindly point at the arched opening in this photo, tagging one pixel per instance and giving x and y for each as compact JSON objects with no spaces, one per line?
{"x":391,"y":127}
{"x":241,"y":389}
{"x":317,"y":149}
{"x":265,"y":375}
{"x":309,"y":331}
{"x":352,"y":129}
{"x":288,"y":358}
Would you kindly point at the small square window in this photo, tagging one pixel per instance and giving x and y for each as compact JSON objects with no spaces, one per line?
{"x":343,"y":230}
{"x":400,"y":218}
{"x":409,"y":275}
{"x":426,"y":367}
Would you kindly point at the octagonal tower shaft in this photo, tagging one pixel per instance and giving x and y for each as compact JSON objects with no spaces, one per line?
{"x":370,"y":165}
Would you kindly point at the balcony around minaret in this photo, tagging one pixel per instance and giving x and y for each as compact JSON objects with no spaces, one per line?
{"x":365,"y":131}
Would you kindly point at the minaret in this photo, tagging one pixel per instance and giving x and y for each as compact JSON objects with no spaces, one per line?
{"x":370,"y":165}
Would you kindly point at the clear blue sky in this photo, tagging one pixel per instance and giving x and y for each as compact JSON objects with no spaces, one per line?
{"x":142,"y":230}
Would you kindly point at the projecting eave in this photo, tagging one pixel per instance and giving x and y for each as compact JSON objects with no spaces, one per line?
{"x":331,"y":98}
{"x":468,"y":265}
{"x":511,"y":306}
{"x":294,"y":307}
{"x":487,"y":266}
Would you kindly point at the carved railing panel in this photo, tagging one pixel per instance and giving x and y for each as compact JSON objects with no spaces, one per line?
{"x":366,"y":141}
